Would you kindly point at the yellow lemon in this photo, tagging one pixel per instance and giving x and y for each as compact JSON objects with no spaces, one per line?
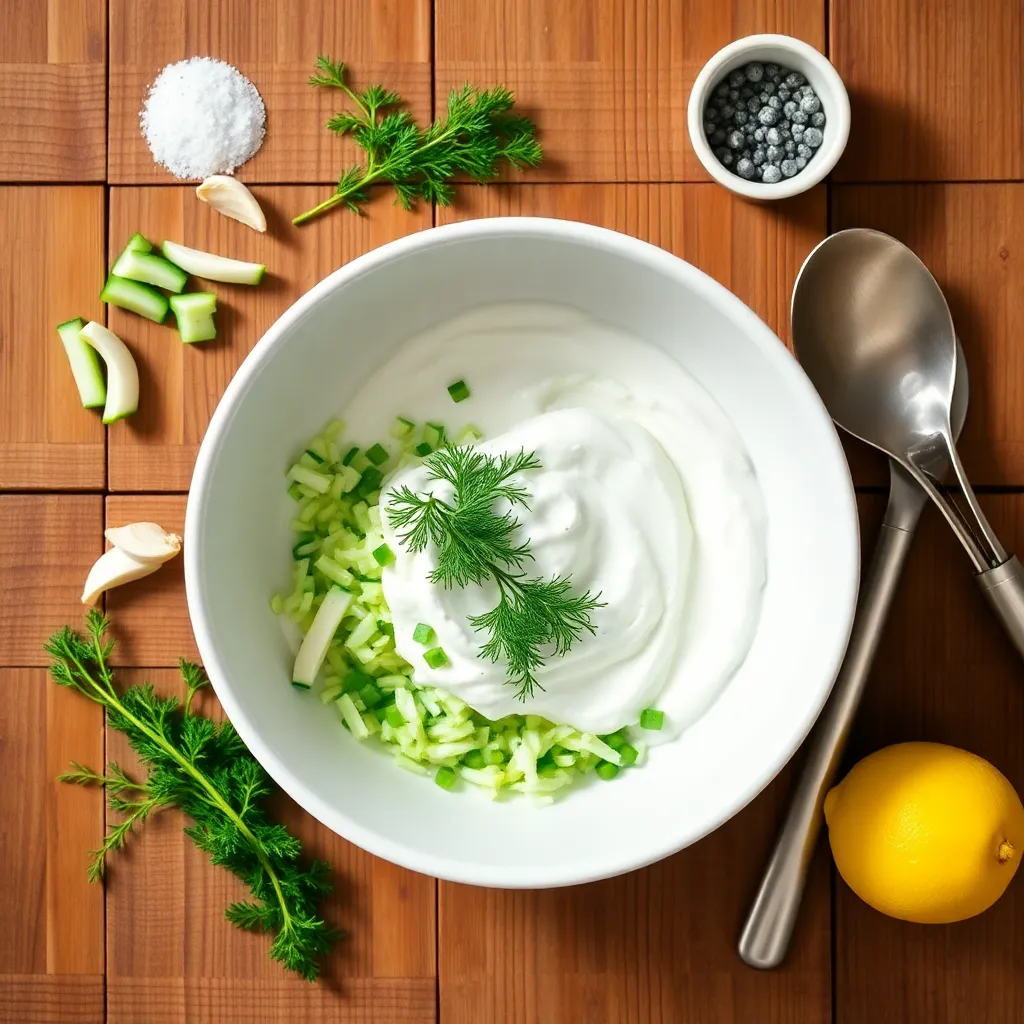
{"x":926,"y":832}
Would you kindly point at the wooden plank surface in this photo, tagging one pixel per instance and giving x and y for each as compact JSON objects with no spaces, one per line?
{"x":51,"y":269}
{"x":934,"y":88}
{"x":946,"y":673}
{"x":608,"y":81}
{"x":173,"y":958}
{"x":972,"y":239}
{"x":51,"y":952}
{"x":275,"y":45}
{"x":53,"y":90}
{"x":181,"y":384}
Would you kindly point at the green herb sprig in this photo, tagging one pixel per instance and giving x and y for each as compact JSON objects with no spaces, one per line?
{"x":477,"y":133}
{"x":475,"y":543}
{"x":205,"y":770}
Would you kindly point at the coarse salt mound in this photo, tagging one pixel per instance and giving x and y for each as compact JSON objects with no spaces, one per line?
{"x":201,"y":117}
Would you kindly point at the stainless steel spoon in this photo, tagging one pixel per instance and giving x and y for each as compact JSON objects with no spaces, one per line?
{"x":769,"y":925}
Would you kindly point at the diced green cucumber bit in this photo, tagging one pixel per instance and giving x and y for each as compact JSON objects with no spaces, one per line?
{"x":135,"y":297}
{"x":423,"y":634}
{"x":402,"y":427}
{"x":433,"y":434}
{"x":337,"y":537}
{"x":383,"y":555}
{"x":193,"y":313}
{"x":436,"y":657}
{"x":139,"y":243}
{"x":423,"y":449}
{"x":377,"y":454}
{"x":212,"y":267}
{"x":459,"y":391}
{"x":652,"y":719}
{"x":85,"y":364}
{"x":149,"y":268}
{"x":445,"y":777}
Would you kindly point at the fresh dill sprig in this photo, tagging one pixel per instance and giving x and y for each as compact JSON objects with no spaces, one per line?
{"x":204,"y":769}
{"x":477,"y":133}
{"x":534,"y":618}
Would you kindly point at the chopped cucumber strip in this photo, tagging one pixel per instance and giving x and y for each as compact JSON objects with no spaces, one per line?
{"x":193,"y":313}
{"x":149,"y":268}
{"x":136,"y":297}
{"x":320,"y":634}
{"x":212,"y":267}
{"x":85,"y":364}
{"x":139,"y":243}
{"x":122,"y":373}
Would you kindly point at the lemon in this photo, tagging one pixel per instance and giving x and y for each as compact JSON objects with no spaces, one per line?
{"x":926,"y":832}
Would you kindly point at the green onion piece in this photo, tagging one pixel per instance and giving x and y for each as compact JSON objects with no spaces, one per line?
{"x":607,"y":771}
{"x":445,"y":777}
{"x":349,"y":456}
{"x":383,"y":555}
{"x":615,"y":740}
{"x":369,"y":481}
{"x":394,"y":717}
{"x":458,"y":391}
{"x":435,"y":657}
{"x":377,"y":454}
{"x":474,"y":759}
{"x":423,"y":449}
{"x":652,"y":719}
{"x":629,"y":754}
{"x":423,"y":634}
{"x":300,"y":686}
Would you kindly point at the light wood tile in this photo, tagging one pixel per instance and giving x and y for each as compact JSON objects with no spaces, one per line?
{"x":181,"y":384}
{"x":51,"y":270}
{"x":934,"y":88}
{"x":47,"y":544}
{"x":274,"y":44}
{"x":51,"y":948}
{"x":607,"y":81}
{"x":53,"y":90}
{"x":173,"y":958}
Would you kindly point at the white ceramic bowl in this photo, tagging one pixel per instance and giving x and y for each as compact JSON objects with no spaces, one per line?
{"x":237,"y":551}
{"x":796,"y":55}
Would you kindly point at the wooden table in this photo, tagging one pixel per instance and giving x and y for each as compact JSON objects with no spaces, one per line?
{"x":936,"y":157}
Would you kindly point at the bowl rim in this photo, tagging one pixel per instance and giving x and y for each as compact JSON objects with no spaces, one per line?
{"x":838,"y":114}
{"x":845,"y":568}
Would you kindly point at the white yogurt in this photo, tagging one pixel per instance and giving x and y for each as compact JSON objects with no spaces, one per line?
{"x":645,"y":495}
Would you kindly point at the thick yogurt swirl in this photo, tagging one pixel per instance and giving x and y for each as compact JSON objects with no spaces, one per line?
{"x":645,"y":494}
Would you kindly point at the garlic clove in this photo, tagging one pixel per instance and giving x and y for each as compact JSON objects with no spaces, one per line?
{"x":227,"y":195}
{"x":145,"y":542}
{"x":111,"y":569}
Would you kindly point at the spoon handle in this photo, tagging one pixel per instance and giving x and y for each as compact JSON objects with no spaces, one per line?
{"x":1003,"y":588}
{"x":769,"y":926}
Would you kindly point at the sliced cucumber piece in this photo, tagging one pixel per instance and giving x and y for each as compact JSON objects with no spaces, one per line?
{"x":150,"y":269}
{"x":122,"y":373}
{"x":194,"y":314}
{"x":139,"y":243}
{"x":85,"y":364}
{"x":135,"y":296}
{"x":321,"y":632}
{"x":213,"y":267}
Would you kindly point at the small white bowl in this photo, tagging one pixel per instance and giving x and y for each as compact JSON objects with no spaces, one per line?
{"x":795,"y":55}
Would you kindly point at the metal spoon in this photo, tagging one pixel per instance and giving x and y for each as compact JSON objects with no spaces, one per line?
{"x":769,"y":925}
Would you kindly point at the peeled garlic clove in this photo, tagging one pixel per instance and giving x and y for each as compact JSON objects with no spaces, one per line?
{"x":111,"y":569}
{"x":145,"y":542}
{"x":229,"y":196}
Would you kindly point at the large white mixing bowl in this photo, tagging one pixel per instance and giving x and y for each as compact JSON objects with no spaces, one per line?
{"x":237,"y":551}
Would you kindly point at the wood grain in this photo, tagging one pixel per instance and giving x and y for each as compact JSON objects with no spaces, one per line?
{"x":969,"y":236}
{"x":275,"y":45}
{"x":51,"y":267}
{"x":51,"y":948}
{"x":173,"y":958}
{"x":755,"y":250}
{"x":934,"y":88}
{"x":607,"y":81}
{"x":946,"y":673}
{"x":657,"y":946}
{"x":151,"y":614}
{"x":53,"y":96}
{"x":47,"y":544}
{"x":181,"y":384}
